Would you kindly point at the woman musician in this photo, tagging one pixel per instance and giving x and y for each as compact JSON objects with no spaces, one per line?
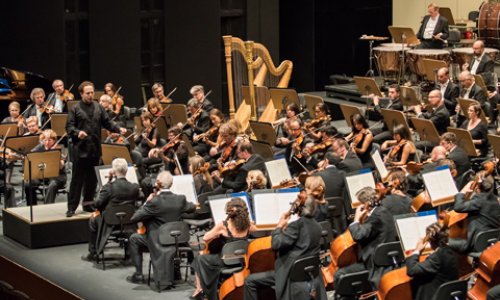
{"x":117,"y":101}
{"x":202,"y":142}
{"x":395,"y":197}
{"x":361,"y":140}
{"x":225,"y":150}
{"x":15,"y":117}
{"x":154,"y":107}
{"x":321,"y":118}
{"x":174,"y":154}
{"x":145,"y":140}
{"x":478,"y":129}
{"x":203,"y":182}
{"x":198,"y":122}
{"x":292,"y":112}
{"x":401,"y":149}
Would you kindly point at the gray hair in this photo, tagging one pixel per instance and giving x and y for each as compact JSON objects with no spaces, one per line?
{"x":36,"y":91}
{"x":105,"y":97}
{"x":192,"y":102}
{"x":196,"y":88}
{"x":309,"y":207}
{"x":165,"y":179}
{"x":120,"y":166}
{"x":367,"y":194}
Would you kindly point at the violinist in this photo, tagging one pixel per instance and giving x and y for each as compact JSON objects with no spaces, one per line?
{"x":361,"y":140}
{"x":174,"y":154}
{"x":105,"y":102}
{"x":438,"y":268}
{"x":295,"y":145}
{"x":300,"y":238}
{"x":483,"y":212}
{"x":117,"y":191}
{"x":332,"y":176}
{"x":396,"y":199}
{"x":153,"y":106}
{"x":321,"y":118}
{"x":315,"y":152}
{"x":372,"y":226}
{"x":439,"y":116}
{"x":225,"y":149}
{"x":380,"y":130}
{"x":478,"y":129}
{"x":38,"y":108}
{"x":203,"y":182}
{"x":236,"y":226}
{"x":400,"y":150}
{"x":349,"y":161}
{"x":48,"y":139}
{"x":159,"y":93}
{"x":315,"y":188}
{"x":233,"y":175}
{"x":416,"y":181}
{"x":292,"y":112}
{"x":59,"y":97}
{"x":256,"y":180}
{"x":145,"y":140}
{"x":454,"y":152}
{"x":15,"y":117}
{"x":32,"y":126}
{"x":117,"y":101}
{"x":198,"y":93}
{"x":204,"y":141}
{"x":199,"y":122}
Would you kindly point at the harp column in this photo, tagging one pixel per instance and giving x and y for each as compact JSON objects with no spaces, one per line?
{"x":249,"y":60}
{"x":227,"y":51}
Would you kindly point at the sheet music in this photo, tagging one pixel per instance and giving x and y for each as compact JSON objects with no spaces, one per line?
{"x":379,"y":164}
{"x":218,"y":207}
{"x":412,"y":229}
{"x":184,"y":185}
{"x":357,"y":182}
{"x":270,"y":206}
{"x":440,"y":184}
{"x":104,"y":174}
{"x":278,"y":171}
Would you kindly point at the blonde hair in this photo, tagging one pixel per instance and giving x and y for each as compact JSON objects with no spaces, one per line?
{"x":49,"y":134}
{"x":198,"y":164}
{"x":14,"y":104}
{"x":317,"y":186}
{"x":257,"y":178}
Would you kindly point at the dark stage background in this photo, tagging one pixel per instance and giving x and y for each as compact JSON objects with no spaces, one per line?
{"x":137,"y":43}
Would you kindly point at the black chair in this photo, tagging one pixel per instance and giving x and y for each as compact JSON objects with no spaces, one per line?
{"x":306,"y":269}
{"x":473,"y":15}
{"x":464,"y":178}
{"x":177,"y":234}
{"x":326,"y":235}
{"x":200,"y":221}
{"x":336,"y":214}
{"x":388,"y":254}
{"x":453,"y":290}
{"x":353,"y":285}
{"x":483,"y":240}
{"x":118,"y":218}
{"x":232,"y":255}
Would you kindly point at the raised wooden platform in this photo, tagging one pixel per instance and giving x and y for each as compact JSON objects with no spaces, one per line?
{"x":50,"y":226}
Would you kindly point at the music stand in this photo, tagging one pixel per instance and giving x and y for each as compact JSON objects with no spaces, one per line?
{"x":71,"y":103}
{"x":189,"y":147}
{"x":495,"y":144}
{"x":446,"y":12}
{"x":431,"y":67}
{"x":464,"y":140}
{"x":162,"y":127}
{"x":479,"y":80}
{"x":264,"y":132}
{"x":404,"y":35}
{"x":464,"y":106}
{"x":138,"y":123}
{"x":409,"y":96}
{"x":22,"y":144}
{"x":367,"y":86}
{"x":426,"y":130}
{"x":393,"y":118}
{"x":263,"y":149}
{"x":98,"y":94}
{"x":174,"y":114}
{"x":270,"y":112}
{"x":58,"y":123}
{"x":348,"y":111}
{"x":10,"y":128}
{"x":310,"y":101}
{"x":112,"y":151}
{"x":41,"y":165}
{"x":283,"y":97}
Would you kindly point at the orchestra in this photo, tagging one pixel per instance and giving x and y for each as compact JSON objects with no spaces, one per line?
{"x":221,"y":155}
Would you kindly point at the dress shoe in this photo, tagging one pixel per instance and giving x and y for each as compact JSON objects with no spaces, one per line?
{"x":89,"y":208}
{"x":70,"y":213}
{"x":199,"y":295}
{"x":89,"y":257}
{"x":136,"y":278}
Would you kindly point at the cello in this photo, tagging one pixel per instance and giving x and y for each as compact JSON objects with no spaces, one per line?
{"x":488,"y":272}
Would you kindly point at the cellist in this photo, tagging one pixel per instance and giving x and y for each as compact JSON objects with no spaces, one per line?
{"x":483,"y":209}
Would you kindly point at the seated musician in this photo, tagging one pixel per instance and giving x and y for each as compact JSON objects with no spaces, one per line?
{"x":144,"y":142}
{"x":203,"y":182}
{"x":117,"y":101}
{"x":434,"y":30}
{"x":295,"y":143}
{"x":470,"y":90}
{"x":174,"y":154}
{"x":401,"y":149}
{"x":292,"y":112}
{"x":256,"y":180}
{"x":234,"y":177}
{"x":117,"y":191}
{"x":154,"y":107}
{"x":349,"y":161}
{"x":361,"y":140}
{"x":315,"y":188}
{"x":396,"y":199}
{"x":493,"y":99}
{"x":236,"y":226}
{"x":438,"y":268}
{"x":458,"y":155}
{"x":380,"y":130}
{"x":300,"y":238}
{"x":15,"y":117}
{"x":373,"y":225}
{"x":59,"y":97}
{"x":198,"y":93}
{"x":48,"y":139}
{"x":105,"y":102}
{"x":439,"y":116}
{"x":478,"y":129}
{"x":39,"y":108}
{"x":32,"y":126}
{"x":449,"y":90}
{"x":481,"y":63}
{"x":204,"y":141}
{"x":315,"y":152}
{"x":159,"y":93}
{"x":321,"y":118}
{"x":415,"y":179}
{"x":483,"y":212}
{"x":160,"y":208}
{"x":332,"y":176}
{"x":199,"y":122}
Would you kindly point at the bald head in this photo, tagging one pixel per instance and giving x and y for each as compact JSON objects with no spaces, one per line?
{"x":438,"y":153}
{"x":466,"y":79}
{"x":478,"y":48}
{"x":443,"y":75}
{"x":435,"y":98}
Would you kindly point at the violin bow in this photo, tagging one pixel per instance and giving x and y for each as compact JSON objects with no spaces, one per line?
{"x":171,"y":92}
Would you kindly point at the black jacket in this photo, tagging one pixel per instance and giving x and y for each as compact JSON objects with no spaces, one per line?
{"x":440,"y":117}
{"x":118,"y":192}
{"x":461,"y":160}
{"x":237,"y":182}
{"x":475,"y":93}
{"x":334,"y":181}
{"x":450,"y":97}
{"x":350,"y":163}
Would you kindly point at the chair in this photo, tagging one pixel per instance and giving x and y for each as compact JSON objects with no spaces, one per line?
{"x":326,"y":235}
{"x":305,"y":269}
{"x":483,"y":240}
{"x":464,"y":178}
{"x":454,"y":37}
{"x":232,"y":255}
{"x":201,"y":220}
{"x":336,"y":214}
{"x":388,"y":254}
{"x":473,"y":15}
{"x":453,"y":290}
{"x":353,"y":285}
{"x":116,"y":217}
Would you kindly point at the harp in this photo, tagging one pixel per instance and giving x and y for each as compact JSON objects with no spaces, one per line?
{"x":250,"y":70}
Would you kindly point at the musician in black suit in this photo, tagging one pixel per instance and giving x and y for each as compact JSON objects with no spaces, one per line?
{"x":333,"y":177}
{"x":434,"y":29}
{"x":397,"y":200}
{"x":84,"y":128}
{"x":438,"y":268}
{"x":298,"y":239}
{"x":440,"y":117}
{"x":481,"y":63}
{"x":483,"y":209}
{"x":38,"y":108}
{"x":349,"y":161}
{"x":160,"y":208}
{"x":198,"y":93}
{"x":470,"y":90}
{"x":116,"y":192}
{"x":380,"y":131}
{"x":201,"y":124}
{"x":449,"y":90}
{"x":57,"y":99}
{"x":372,"y":226}
{"x":455,"y":153}
{"x":247,"y":160}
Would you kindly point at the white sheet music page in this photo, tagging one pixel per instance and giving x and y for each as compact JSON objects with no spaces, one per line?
{"x":412,"y":228}
{"x":285,"y":200}
{"x":440,"y":184}
{"x":278,"y":171}
{"x":218,"y":207}
{"x":267,"y":208}
{"x":184,"y":185}
{"x":379,"y":164}
{"x":358,"y":181}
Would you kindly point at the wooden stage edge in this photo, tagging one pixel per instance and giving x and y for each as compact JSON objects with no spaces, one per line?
{"x":50,"y":226}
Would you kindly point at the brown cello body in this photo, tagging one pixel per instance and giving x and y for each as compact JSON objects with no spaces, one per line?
{"x":488,"y":272}
{"x":342,"y":253}
{"x":395,"y":285}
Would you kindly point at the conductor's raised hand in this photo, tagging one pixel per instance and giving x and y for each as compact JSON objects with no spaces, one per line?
{"x":82,"y":134}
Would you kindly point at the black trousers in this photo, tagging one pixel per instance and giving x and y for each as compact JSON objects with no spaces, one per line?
{"x":137,"y":245}
{"x":257,"y":281}
{"x":83,"y":179}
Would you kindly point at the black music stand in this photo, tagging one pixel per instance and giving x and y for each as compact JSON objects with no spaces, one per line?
{"x":464,"y":140}
{"x":41,"y":165}
{"x":263,"y":149}
{"x":446,"y":12}
{"x":393,"y":118}
{"x":264,"y":132}
{"x":58,"y":123}
{"x":479,"y":80}
{"x":464,"y":106}
{"x":495,"y":144}
{"x":426,"y":130}
{"x":112,"y":151}
{"x":348,"y":111}
{"x":310,"y":101}
{"x":189,"y":146}
{"x":138,"y":123}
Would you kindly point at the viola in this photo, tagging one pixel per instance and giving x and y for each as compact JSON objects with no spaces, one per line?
{"x":395,"y":149}
{"x":232,"y":166}
{"x":318,"y":147}
{"x":67,"y":96}
{"x":314,"y":123}
{"x":208,"y":134}
{"x":171,"y":144}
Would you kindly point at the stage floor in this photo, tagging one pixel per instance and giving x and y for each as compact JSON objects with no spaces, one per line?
{"x":46,"y":213}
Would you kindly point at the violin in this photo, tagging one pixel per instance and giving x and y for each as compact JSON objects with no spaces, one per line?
{"x":227,"y":151}
{"x":48,"y":109}
{"x":208,"y":134}
{"x":298,"y":204}
{"x":296,"y":146}
{"x":316,"y":122}
{"x":357,"y":138}
{"x":175,"y":141}
{"x":232,"y":166}
{"x":287,"y":183}
{"x":115,"y":97}
{"x":67,"y":96}
{"x":318,"y":147}
{"x":396,"y":148}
